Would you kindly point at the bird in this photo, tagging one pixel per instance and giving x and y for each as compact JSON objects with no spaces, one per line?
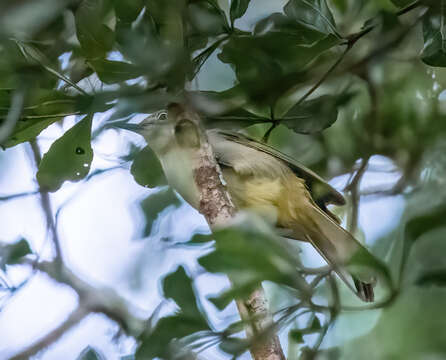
{"x":262,"y":179}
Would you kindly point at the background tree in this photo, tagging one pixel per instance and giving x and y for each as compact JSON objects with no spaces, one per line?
{"x":353,"y":89}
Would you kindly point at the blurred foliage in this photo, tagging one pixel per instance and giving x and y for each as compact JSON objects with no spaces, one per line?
{"x":329,"y":81}
{"x":11,"y":254}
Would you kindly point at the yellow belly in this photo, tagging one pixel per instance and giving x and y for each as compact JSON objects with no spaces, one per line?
{"x":283,"y":200}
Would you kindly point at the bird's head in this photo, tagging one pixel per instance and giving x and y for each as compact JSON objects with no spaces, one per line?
{"x":156,"y":129}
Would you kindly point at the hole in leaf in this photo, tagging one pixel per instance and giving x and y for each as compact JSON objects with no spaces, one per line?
{"x":80,"y":150}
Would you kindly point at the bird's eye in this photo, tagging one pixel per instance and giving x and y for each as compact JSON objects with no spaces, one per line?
{"x":161,"y":115}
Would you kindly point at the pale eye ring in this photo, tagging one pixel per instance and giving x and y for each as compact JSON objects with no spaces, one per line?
{"x":161,"y":115}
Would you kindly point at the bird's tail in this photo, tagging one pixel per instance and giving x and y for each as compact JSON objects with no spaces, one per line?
{"x":340,"y":249}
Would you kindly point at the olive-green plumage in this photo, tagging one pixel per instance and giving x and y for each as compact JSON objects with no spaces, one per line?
{"x":262,"y":179}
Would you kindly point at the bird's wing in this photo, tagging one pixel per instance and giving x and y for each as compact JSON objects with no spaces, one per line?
{"x":322,"y":192}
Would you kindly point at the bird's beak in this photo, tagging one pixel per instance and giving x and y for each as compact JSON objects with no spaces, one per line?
{"x":137,"y":128}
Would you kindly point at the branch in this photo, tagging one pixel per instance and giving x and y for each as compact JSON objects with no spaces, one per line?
{"x":350,"y":42}
{"x":353,"y":187}
{"x":75,"y":317}
{"x":216,"y":205}
{"x":104,"y":300}
{"x":18,"y":195}
{"x":91,"y":300}
{"x":46,"y":206}
{"x":14,"y":113}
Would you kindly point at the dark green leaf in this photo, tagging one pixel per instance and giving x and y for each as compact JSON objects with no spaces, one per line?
{"x":96,"y":39}
{"x":296,"y":336}
{"x":215,"y":103}
{"x":237,"y":292}
{"x":402,"y":3}
{"x":236,"y":119}
{"x":276,"y":58}
{"x":154,"y":204}
{"x":146,"y":169}
{"x":42,"y":108}
{"x":437,"y":278}
{"x":90,"y":353}
{"x":69,"y":157}
{"x":25,"y":131}
{"x":238,"y":9}
{"x":284,"y":25}
{"x":158,"y":342}
{"x":314,"y":115}
{"x":111,"y":72}
{"x":234,"y":346}
{"x":315,"y":324}
{"x":206,"y":17}
{"x":199,"y":239}
{"x":314,"y":14}
{"x":128,"y":10}
{"x":128,"y":357}
{"x":178,"y":286}
{"x":11,"y":254}
{"x":417,"y":226}
{"x":137,"y":101}
{"x":434,"y":33}
{"x":249,"y":254}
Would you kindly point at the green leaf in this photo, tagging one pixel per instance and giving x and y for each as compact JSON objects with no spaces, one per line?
{"x":146,"y":169}
{"x":158,"y":342}
{"x":96,"y":39}
{"x":315,"y":324}
{"x":137,"y":101}
{"x":296,"y":336}
{"x":69,"y":157}
{"x":128,"y":357}
{"x":11,"y":254}
{"x":275,"y":57}
{"x":234,"y":346}
{"x":200,"y":239}
{"x":42,"y":108}
{"x":238,"y":9}
{"x":236,"y":119}
{"x":154,"y":204}
{"x":178,"y":286}
{"x":437,"y":278}
{"x":314,"y":14}
{"x":241,"y":291}
{"x":111,"y":72}
{"x":128,"y":10}
{"x":434,"y":34}
{"x":419,"y":225}
{"x":402,"y":3}
{"x":314,"y":115}
{"x":282,"y":24}
{"x":206,"y":17}
{"x":249,"y":253}
{"x":25,"y":131}
{"x":90,"y":353}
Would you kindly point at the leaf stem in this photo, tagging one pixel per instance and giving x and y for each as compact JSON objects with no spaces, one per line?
{"x":350,"y":42}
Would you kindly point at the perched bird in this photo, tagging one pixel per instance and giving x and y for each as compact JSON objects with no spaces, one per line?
{"x":264,"y":180}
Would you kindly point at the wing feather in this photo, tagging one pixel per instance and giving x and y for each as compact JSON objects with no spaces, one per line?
{"x":322,"y":192}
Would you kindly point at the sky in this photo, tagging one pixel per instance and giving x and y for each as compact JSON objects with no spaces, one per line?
{"x":98,"y":227}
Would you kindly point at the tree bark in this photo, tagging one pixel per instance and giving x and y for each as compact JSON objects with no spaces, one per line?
{"x":216,"y":205}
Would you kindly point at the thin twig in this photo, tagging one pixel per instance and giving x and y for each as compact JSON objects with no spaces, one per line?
{"x":75,"y":318}
{"x":18,"y":196}
{"x":409,"y":8}
{"x":13,"y":116}
{"x":46,"y":206}
{"x":350,"y":42}
{"x":353,"y":187}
